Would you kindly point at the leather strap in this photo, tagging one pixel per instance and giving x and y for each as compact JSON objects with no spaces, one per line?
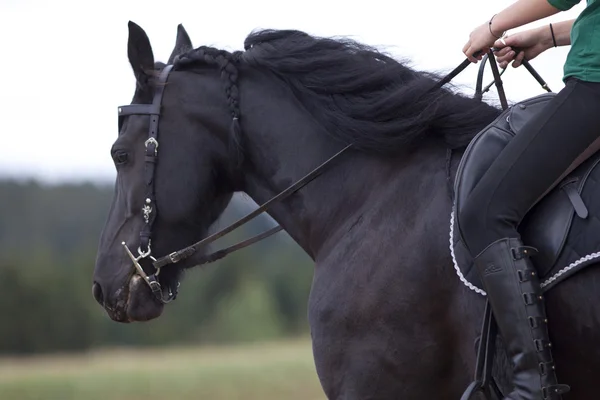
{"x":217,"y":255}
{"x":452,"y":74}
{"x":480,"y":90}
{"x":498,"y":80}
{"x":151,"y":155}
{"x":151,"y":159}
{"x":186,"y":252}
{"x":139,"y":109}
{"x":576,"y":201}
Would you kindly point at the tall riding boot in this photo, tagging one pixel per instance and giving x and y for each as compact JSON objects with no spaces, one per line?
{"x":514,"y":292}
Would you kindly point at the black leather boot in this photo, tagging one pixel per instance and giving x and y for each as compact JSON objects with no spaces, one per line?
{"x":514,"y":292}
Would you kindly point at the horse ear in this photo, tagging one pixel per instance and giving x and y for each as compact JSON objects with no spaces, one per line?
{"x":182,"y":44}
{"x":139,"y":52}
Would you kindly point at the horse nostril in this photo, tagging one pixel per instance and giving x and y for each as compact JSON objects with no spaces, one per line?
{"x":97,"y":292}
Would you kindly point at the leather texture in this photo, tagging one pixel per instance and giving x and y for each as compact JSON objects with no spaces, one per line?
{"x":515,"y":295}
{"x":556,"y":225}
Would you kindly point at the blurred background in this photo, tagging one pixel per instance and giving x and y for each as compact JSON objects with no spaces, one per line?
{"x":238,"y":328}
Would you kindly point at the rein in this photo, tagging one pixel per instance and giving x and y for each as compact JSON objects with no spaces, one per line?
{"x":177,"y":256}
{"x":479,"y":90}
{"x":151,"y":158}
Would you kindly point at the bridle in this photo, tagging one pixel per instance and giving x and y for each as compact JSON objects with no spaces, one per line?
{"x":149,"y":210}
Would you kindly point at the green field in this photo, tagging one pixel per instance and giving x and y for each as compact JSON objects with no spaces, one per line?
{"x":282,"y":370}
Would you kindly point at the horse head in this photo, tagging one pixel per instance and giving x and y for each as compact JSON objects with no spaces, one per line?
{"x":174,"y":178}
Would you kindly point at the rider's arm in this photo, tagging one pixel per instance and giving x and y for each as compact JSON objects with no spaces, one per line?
{"x":562,"y":32}
{"x":525,"y":11}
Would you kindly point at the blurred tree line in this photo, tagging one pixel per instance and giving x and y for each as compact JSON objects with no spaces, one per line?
{"x":48,"y":244}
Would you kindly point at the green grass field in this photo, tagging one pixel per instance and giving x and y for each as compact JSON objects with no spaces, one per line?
{"x":282,"y":370}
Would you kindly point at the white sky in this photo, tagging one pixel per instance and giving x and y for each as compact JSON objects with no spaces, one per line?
{"x":64,"y":63}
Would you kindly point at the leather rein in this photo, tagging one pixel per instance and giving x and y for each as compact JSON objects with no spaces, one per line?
{"x":151,"y":157}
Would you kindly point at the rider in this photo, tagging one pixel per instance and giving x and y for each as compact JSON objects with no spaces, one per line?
{"x":549,"y":146}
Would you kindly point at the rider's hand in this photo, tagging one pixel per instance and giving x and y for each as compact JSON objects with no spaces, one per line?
{"x":481,"y":39}
{"x":531,"y":42}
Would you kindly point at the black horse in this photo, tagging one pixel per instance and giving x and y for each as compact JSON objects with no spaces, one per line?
{"x":389,"y":318}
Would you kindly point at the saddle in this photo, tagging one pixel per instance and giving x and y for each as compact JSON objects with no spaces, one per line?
{"x":564,"y":225}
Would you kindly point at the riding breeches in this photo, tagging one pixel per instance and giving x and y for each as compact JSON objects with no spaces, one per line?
{"x":548,"y":147}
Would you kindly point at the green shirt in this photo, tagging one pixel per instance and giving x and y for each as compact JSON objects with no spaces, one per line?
{"x":583,"y":61}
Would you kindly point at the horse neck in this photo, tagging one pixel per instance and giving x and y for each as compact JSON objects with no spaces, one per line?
{"x":282,"y":143}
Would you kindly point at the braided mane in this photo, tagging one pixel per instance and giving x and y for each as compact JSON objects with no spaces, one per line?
{"x":226,"y":62}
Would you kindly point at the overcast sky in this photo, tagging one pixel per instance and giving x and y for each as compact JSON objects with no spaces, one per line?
{"x":64,"y":63}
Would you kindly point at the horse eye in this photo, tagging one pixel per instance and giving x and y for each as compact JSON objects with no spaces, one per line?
{"x":120,"y":157}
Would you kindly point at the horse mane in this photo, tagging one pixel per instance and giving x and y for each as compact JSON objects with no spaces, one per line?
{"x":363,"y":96}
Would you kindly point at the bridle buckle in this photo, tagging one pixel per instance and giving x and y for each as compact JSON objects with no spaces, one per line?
{"x":155,"y":286}
{"x":153,"y":141}
{"x":174,"y":257}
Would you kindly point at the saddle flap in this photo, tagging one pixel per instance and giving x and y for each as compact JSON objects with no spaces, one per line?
{"x":479,"y":156}
{"x":546,"y":226}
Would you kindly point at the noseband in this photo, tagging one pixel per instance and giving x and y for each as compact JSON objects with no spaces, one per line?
{"x":149,"y":210}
